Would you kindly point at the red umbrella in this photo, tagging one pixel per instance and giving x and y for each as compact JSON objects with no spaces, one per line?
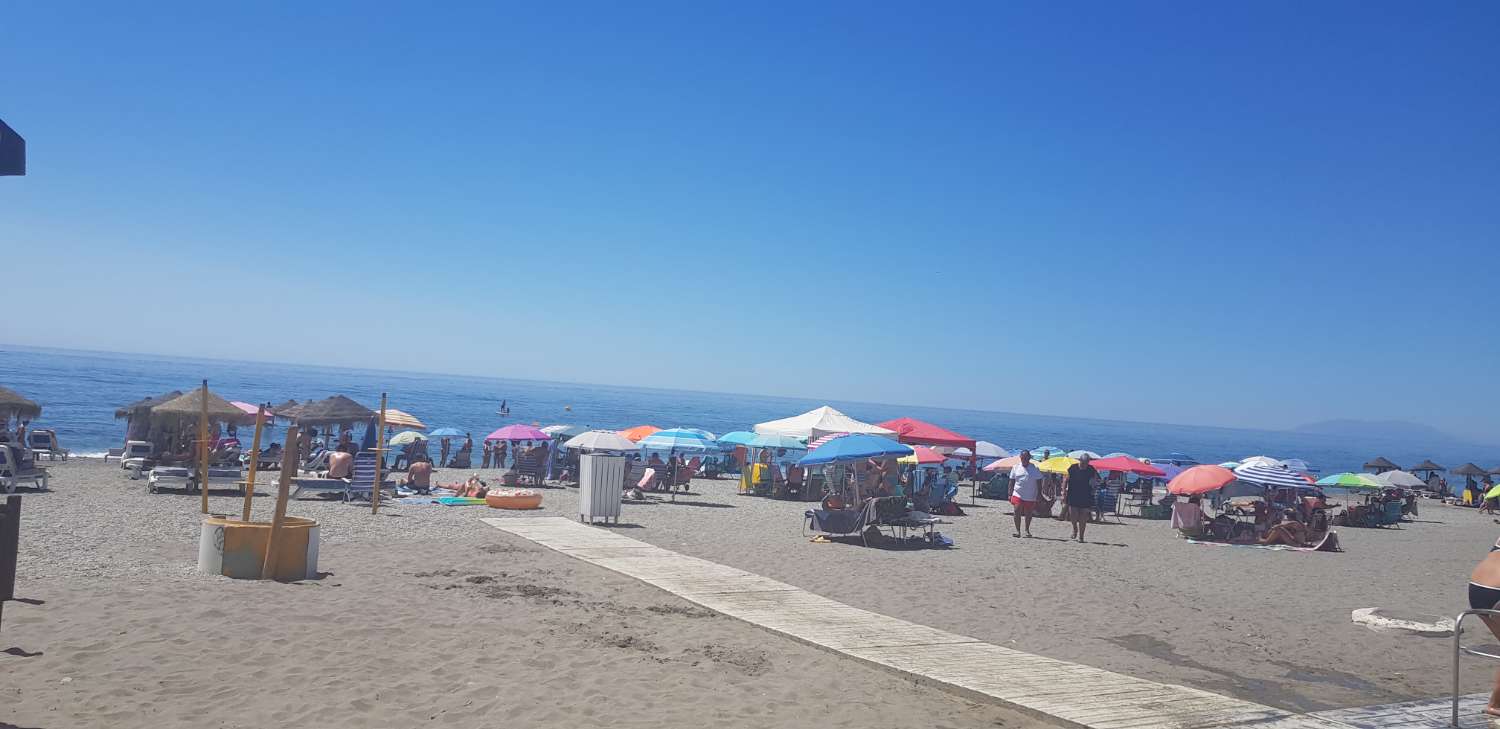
{"x":1126,"y":463}
{"x":1200,"y":480}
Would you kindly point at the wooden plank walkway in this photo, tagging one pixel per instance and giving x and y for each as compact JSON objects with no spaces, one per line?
{"x":1045,"y":687}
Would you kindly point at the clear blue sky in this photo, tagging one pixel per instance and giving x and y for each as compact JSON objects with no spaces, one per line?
{"x":1252,"y":214}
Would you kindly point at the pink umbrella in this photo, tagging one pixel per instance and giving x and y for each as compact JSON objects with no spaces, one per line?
{"x":251,"y":409}
{"x":1004,"y":464}
{"x":1200,"y":480}
{"x":518,"y":432}
{"x":1126,"y":463}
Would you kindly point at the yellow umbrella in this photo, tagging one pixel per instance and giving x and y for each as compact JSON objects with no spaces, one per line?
{"x":1057,"y":464}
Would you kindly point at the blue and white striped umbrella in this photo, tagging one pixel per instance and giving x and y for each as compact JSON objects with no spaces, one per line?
{"x":1269,"y":475}
{"x":678,"y":440}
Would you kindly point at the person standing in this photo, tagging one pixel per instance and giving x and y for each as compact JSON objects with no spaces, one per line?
{"x":1025,"y":485}
{"x":1082,"y":478}
{"x":443,"y":459}
{"x":489,"y":450}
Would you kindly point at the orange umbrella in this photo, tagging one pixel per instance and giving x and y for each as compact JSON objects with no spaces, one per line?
{"x":635,"y":434}
{"x":1200,"y":480}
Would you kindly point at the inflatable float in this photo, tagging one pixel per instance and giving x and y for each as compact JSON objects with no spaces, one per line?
{"x":514,"y":499}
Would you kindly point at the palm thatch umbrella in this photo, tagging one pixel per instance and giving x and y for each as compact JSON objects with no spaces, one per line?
{"x":12,"y":404}
{"x":1381,"y":464}
{"x":190,"y":406}
{"x":1469,"y":469}
{"x":332,"y":411}
{"x":143,"y":406}
{"x":1427,"y":465}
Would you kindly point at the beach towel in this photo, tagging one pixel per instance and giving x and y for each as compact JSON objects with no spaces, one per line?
{"x":1329,"y":543}
{"x":460,"y":501}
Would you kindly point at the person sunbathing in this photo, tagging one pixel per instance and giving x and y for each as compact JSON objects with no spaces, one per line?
{"x":1289,"y":532}
{"x":419,"y":475}
{"x":473,"y":488}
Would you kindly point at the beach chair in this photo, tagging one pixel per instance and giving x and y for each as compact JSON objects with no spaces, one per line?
{"x":840,"y":522}
{"x":43,"y":442}
{"x":14,"y":471}
{"x":362,"y":483}
{"x":139,"y":456}
{"x":1107,"y":502}
{"x":531,"y":468}
{"x":1460,"y":650}
{"x":1389,"y":513}
{"x":114,"y":453}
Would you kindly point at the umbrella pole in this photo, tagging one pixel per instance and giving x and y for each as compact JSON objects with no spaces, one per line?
{"x":278,"y":517}
{"x":260,"y":422}
{"x":379,"y":457}
{"x":203,"y":445}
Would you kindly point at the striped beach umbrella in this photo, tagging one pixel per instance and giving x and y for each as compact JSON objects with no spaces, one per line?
{"x":1269,"y":475}
{"x":818,"y":443}
{"x":678,"y":440}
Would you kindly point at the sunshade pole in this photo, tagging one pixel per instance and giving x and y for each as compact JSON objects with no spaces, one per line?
{"x":278,"y":517}
{"x":379,"y":457}
{"x":203,"y":445}
{"x":260,"y":421}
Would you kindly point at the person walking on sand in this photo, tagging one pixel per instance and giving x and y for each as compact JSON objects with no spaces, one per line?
{"x":1025,"y":485}
{"x":1082,"y":478}
{"x":1484,"y":594}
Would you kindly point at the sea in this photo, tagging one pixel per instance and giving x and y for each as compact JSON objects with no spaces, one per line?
{"x":80,"y":390}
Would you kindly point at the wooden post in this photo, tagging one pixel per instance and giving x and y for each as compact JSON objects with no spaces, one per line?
{"x":260,"y":421}
{"x":278,"y":517}
{"x":203,"y":448}
{"x":379,"y":457}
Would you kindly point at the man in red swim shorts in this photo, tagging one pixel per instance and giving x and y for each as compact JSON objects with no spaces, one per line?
{"x":1025,"y":484}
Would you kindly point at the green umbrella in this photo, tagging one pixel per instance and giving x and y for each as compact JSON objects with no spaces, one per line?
{"x":1353,"y":481}
{"x":405,"y":437}
{"x":1492,"y":493}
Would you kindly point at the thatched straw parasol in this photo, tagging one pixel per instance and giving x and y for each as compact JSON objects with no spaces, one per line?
{"x":191,"y":406}
{"x":1426,"y":466}
{"x":1381,"y":464}
{"x":335,"y":410}
{"x":143,"y":406}
{"x":11,"y":403}
{"x":1469,"y":469}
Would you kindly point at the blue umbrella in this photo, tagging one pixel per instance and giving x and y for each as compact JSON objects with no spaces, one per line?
{"x":854,"y":448}
{"x":738,"y":437}
{"x":678,"y":440}
{"x":775,"y":440}
{"x":446,"y":433}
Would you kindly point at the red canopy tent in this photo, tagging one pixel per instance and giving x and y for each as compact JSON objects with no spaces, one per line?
{"x":913,"y":431}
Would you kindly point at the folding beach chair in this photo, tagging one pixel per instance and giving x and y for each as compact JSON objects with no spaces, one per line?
{"x":362,"y":484}
{"x":1107,"y":502}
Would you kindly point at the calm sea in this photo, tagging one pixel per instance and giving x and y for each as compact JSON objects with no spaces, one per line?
{"x":79,"y":392}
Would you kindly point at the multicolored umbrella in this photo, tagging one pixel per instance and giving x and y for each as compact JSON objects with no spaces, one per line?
{"x":922,"y":456}
{"x":1357,"y":481}
{"x":518,"y":431}
{"x":447,"y":433}
{"x":818,"y":442}
{"x":1048,"y":451}
{"x":1004,"y":464}
{"x":1200,"y":480}
{"x":1080,"y":454}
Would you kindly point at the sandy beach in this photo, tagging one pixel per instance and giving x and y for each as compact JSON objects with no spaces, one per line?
{"x":427,"y":614}
{"x":424,"y":616}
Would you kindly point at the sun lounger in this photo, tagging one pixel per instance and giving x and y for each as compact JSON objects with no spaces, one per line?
{"x":138,"y":457}
{"x":14,"y":472}
{"x":887,"y":511}
{"x":186,"y":477}
{"x":113,"y":453}
{"x":313,"y":483}
{"x":43,"y":442}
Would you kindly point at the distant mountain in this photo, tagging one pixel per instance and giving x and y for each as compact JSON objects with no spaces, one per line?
{"x":1385,"y":429}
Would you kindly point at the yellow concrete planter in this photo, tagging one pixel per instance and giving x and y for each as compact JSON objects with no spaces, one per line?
{"x":235,"y":548}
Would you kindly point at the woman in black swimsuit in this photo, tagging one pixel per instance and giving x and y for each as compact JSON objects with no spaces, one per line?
{"x":1484,"y":594}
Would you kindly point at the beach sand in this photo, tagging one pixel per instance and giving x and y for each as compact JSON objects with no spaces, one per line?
{"x":424,"y":616}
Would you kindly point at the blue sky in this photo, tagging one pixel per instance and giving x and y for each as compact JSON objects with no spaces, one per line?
{"x":1254,"y":214}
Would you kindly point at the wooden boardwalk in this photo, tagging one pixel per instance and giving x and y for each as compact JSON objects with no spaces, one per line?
{"x":1041,"y":686}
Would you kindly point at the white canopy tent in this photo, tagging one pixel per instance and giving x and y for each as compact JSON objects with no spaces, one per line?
{"x":817,"y":423}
